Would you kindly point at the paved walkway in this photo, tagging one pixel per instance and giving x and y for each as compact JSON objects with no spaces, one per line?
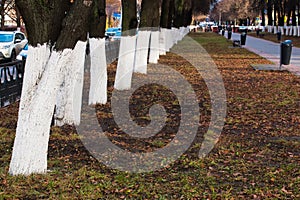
{"x":271,"y":51}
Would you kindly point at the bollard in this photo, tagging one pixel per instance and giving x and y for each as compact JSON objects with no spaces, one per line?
{"x":243,"y":38}
{"x":285,"y":52}
{"x":229,"y":35}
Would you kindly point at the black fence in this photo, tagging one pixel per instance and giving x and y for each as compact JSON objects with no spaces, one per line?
{"x":11,"y":81}
{"x":12,"y":73}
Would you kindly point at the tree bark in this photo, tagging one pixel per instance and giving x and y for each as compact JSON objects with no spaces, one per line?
{"x":129,"y":17}
{"x":270,"y":14}
{"x":62,"y":23}
{"x":263,"y":19}
{"x":75,"y":26}
{"x":98,"y":19}
{"x":183,"y":13}
{"x":2,"y":14}
{"x":167,"y":12}
{"x":43,"y":20}
{"x":150,"y":16}
{"x":18,"y":17}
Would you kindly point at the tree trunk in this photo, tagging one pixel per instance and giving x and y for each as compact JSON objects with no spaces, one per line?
{"x":18,"y":17}
{"x":183,"y":13}
{"x":150,"y":16}
{"x":129,"y":17}
{"x":276,"y":13}
{"x":43,"y":20}
{"x":2,"y":14}
{"x":188,"y":13}
{"x":270,"y":13}
{"x":61,"y":25}
{"x":98,"y":19}
{"x":167,"y":13}
{"x":263,"y":23}
{"x":298,"y":12}
{"x":178,"y":17}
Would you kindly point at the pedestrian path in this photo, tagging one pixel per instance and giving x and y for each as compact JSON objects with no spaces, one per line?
{"x":271,"y":51}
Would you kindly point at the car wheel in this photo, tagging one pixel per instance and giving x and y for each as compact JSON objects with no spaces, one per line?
{"x":13,"y":55}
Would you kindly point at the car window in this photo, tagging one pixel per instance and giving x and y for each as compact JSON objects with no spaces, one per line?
{"x":19,"y":36}
{"x":6,"y":37}
{"x":22,"y":37}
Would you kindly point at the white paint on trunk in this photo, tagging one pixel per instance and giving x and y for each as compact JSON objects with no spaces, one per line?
{"x":142,"y":49}
{"x":170,"y":39}
{"x":281,"y":29}
{"x":270,"y":29}
{"x":291,"y":31}
{"x":287,"y":30}
{"x":98,"y":73}
{"x":125,"y":63}
{"x":41,"y":81}
{"x":154,"y":47}
{"x":162,"y":42}
{"x":69,"y":98}
{"x":294,"y":30}
{"x":184,"y":31}
{"x":275,"y":30}
{"x":298,"y":28}
{"x":175,"y":32}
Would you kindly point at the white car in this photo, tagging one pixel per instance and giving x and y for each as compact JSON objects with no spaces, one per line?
{"x":11,"y":43}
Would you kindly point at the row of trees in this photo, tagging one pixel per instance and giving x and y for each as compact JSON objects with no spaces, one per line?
{"x":65,"y":22}
{"x":275,"y":10}
{"x":55,"y":72}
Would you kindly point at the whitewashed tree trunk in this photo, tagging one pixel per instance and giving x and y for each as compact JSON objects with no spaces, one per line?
{"x":186,"y":31}
{"x":154,"y":47}
{"x":270,"y":29}
{"x":181,"y":33}
{"x":98,"y":73}
{"x":291,"y":31}
{"x":125,"y":63}
{"x":142,"y":49}
{"x":298,"y":30}
{"x":275,"y":30}
{"x":69,"y":98}
{"x":162,"y":42}
{"x":287,"y":30}
{"x":170,"y":39}
{"x":175,"y":35}
{"x":281,"y":29}
{"x":41,"y":81}
{"x":43,"y":77}
{"x":294,"y":30}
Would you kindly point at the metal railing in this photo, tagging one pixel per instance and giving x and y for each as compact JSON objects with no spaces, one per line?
{"x":11,"y":81}
{"x":12,"y":73}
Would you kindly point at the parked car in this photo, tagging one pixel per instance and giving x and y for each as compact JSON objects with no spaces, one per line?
{"x":11,"y":43}
{"x":113,"y":33}
{"x":23,"y":54}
